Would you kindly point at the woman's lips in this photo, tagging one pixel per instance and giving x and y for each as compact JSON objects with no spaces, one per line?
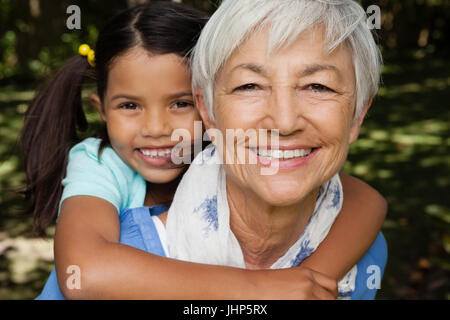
{"x":287,"y":158}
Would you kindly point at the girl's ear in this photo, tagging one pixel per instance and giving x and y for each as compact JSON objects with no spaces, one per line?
{"x":201,"y":107}
{"x":97,"y":103}
{"x":356,"y":127}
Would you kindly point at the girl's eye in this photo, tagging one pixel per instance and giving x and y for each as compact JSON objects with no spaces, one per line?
{"x":247,"y":87}
{"x":315,"y":87}
{"x":129,"y":106}
{"x":182,"y":104}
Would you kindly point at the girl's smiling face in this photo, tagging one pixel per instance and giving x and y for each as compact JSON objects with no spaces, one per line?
{"x":147,"y":97}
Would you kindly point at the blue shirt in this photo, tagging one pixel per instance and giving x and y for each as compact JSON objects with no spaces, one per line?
{"x":138,"y":230}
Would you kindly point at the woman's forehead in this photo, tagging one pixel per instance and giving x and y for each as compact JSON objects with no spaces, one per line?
{"x":307,"y":54}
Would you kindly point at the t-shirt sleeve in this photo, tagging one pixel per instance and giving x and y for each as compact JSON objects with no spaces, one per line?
{"x":87,"y":176}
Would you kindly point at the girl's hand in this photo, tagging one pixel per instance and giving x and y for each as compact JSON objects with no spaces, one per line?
{"x":300,"y":283}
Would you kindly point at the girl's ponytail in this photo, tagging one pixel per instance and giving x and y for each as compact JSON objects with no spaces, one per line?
{"x":49,"y":131}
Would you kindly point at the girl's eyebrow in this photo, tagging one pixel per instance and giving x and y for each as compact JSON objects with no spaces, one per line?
{"x":124,"y":96}
{"x":171,"y":96}
{"x":179,"y":95}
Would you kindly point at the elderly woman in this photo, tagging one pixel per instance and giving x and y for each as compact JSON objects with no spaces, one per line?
{"x":308,"y":69}
{"x":301,"y":75}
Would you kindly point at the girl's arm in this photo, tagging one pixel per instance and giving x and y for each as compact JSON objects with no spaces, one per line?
{"x":87,"y":236}
{"x":356,"y":228}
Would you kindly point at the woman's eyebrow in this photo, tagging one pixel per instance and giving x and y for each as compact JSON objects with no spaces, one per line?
{"x":307,"y":71}
{"x":252,"y":67}
{"x":313,"y":68}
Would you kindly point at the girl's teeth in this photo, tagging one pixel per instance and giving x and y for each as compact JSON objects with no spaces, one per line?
{"x":154,"y":153}
{"x":283,"y":154}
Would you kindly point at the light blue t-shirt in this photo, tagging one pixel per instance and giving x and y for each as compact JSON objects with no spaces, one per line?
{"x":108,"y":178}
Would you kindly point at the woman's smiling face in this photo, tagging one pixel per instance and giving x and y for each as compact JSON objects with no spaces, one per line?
{"x":307,"y":95}
{"x":147,"y":98}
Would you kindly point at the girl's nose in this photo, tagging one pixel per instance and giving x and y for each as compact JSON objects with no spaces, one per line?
{"x":155,"y":123}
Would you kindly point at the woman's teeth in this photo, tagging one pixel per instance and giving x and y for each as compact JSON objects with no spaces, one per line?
{"x":153,"y":153}
{"x":283,"y":154}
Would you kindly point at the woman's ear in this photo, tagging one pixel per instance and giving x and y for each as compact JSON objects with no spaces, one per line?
{"x":356,"y":127}
{"x":201,"y":107}
{"x":97,"y":103}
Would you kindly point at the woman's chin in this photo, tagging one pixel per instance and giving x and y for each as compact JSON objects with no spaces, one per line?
{"x":282,"y":197}
{"x":281,"y":202}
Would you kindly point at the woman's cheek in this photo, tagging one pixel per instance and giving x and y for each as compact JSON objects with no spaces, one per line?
{"x":188,"y":122}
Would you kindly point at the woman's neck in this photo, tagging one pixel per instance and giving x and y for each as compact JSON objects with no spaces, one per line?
{"x":265,"y":232}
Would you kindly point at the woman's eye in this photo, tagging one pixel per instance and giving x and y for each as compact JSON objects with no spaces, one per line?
{"x":129,"y":106}
{"x":182,"y":104}
{"x":247,"y":87}
{"x":315,"y":87}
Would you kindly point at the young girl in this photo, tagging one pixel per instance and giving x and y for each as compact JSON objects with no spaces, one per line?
{"x":144,"y":93}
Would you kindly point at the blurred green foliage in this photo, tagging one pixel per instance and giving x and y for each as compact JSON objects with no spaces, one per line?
{"x":402,"y":150}
{"x":34,"y":38}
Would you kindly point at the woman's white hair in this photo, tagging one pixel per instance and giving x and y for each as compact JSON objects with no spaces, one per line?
{"x":344,"y":22}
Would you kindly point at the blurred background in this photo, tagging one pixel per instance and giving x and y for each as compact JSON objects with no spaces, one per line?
{"x":403,"y":150}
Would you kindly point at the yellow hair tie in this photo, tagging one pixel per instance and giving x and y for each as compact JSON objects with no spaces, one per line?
{"x":86,"y":51}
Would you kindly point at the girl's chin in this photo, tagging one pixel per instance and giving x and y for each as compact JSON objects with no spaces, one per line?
{"x":161,"y":176}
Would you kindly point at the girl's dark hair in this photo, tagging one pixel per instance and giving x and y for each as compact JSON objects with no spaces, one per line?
{"x":55,"y":115}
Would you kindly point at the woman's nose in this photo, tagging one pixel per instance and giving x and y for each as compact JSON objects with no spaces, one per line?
{"x":284,"y":110}
{"x":155,"y":123}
